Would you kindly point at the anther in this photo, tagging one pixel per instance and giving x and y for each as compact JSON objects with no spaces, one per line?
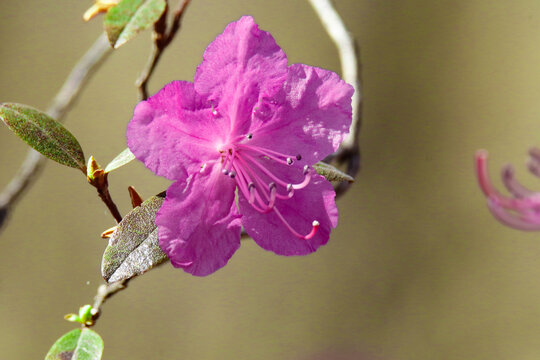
{"x":249,"y":136}
{"x":289,"y":161}
{"x":225,"y":171}
{"x":232,"y":174}
{"x":289,"y":187}
{"x":273,"y":195}
{"x":251,"y":186}
{"x":214,"y":112}
{"x":306,"y":169}
{"x":298,"y":157}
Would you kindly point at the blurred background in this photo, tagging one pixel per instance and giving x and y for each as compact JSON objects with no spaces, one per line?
{"x":417,"y":268}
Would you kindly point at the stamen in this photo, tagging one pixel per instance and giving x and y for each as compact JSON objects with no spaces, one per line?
{"x":535,"y":153}
{"x":304,"y":183}
{"x":510,"y":220}
{"x":272,"y":176}
{"x":492,"y":193}
{"x":225,"y":171}
{"x":267,"y":152}
{"x":249,"y":136}
{"x":242,"y":181}
{"x":260,"y":194}
{"x":512,"y":184}
{"x":260,"y":181}
{"x":534,"y":167}
{"x":315,"y":225}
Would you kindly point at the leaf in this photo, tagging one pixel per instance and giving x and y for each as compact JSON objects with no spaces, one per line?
{"x":133,"y":247}
{"x":43,"y":133}
{"x":331,"y":173}
{"x":78,"y":344}
{"x":120,"y":160}
{"x":130,"y":17}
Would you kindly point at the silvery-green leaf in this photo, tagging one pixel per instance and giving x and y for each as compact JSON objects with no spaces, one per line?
{"x":120,"y":160}
{"x":43,"y":133}
{"x":331,"y":173}
{"x":78,"y":344}
{"x":129,"y":17}
{"x":133,"y":247}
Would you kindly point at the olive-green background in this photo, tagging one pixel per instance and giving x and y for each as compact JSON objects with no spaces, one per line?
{"x":417,"y":268}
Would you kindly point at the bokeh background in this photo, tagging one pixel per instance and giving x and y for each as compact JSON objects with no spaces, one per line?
{"x":417,"y":268}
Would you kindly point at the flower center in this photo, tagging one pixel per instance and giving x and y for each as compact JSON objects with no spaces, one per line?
{"x":245,"y":163}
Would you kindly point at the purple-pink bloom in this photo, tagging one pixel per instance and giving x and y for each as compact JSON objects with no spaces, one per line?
{"x":522,"y":211}
{"x":248,"y":122}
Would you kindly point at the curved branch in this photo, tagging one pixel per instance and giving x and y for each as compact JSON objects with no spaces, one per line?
{"x":349,"y":151}
{"x":61,"y":103}
{"x":162,"y":39}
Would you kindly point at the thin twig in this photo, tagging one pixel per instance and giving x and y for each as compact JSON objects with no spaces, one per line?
{"x":61,"y":103}
{"x":162,"y":39}
{"x":349,"y":151}
{"x":101,"y":183}
{"x":104,"y":292}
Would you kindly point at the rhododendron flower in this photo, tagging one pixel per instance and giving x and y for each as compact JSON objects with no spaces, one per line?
{"x":522,"y":211}
{"x":247,"y":122}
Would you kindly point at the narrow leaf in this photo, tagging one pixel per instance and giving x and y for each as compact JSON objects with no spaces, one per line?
{"x":133,"y":247}
{"x":331,"y":173}
{"x":129,"y":17}
{"x":43,"y":133}
{"x":78,"y":344}
{"x":120,"y":160}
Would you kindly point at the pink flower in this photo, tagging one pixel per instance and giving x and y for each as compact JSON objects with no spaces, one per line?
{"x":522,"y":211}
{"x":248,"y":122}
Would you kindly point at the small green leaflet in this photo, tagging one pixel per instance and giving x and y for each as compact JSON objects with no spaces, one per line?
{"x":78,"y":344}
{"x":120,"y":160}
{"x":44,"y":134}
{"x":133,"y":247}
{"x":130,"y":17}
{"x":331,"y":173}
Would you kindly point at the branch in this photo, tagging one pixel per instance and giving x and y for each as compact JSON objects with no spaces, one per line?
{"x":162,"y":39}
{"x":61,"y":103}
{"x":349,"y":151}
{"x":104,"y":292}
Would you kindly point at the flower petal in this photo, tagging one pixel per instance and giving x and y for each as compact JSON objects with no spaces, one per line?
{"x":314,"y":202}
{"x":174,"y":132}
{"x":241,"y":66}
{"x":198,"y":223}
{"x":311,"y":116}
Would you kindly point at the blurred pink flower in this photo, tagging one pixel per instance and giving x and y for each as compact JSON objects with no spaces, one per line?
{"x":248,"y":122}
{"x":522,"y":211}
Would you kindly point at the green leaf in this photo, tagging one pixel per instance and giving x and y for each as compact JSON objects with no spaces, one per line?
{"x":78,"y":344}
{"x":133,"y":247}
{"x":43,"y":133}
{"x":120,"y":160}
{"x":129,"y":17}
{"x":331,"y":173}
